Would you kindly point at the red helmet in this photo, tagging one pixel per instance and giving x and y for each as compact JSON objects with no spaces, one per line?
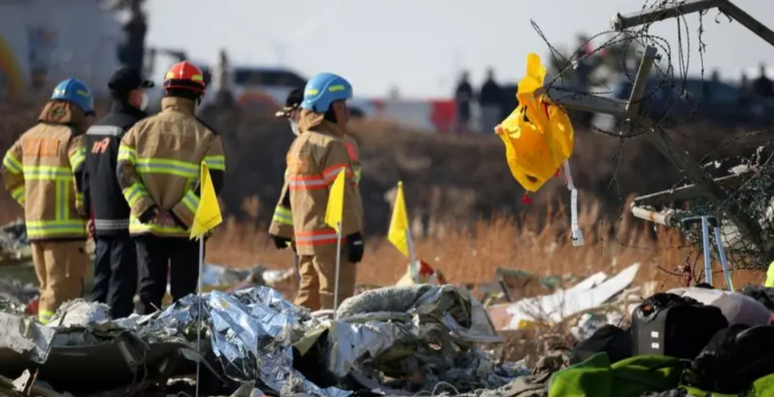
{"x":185,"y":76}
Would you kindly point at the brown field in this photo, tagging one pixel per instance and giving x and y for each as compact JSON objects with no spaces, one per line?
{"x":524,"y":243}
{"x":458,"y":186}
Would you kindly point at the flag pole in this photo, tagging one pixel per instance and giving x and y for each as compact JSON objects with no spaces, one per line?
{"x":338,"y":263}
{"x":414,"y":266}
{"x":199,"y":317}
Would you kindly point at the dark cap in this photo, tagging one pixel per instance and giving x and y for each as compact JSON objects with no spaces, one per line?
{"x":292,"y":102}
{"x":128,"y":79}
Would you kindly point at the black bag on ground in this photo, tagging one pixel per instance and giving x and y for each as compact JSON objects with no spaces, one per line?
{"x":762,"y":294}
{"x":734,"y":359}
{"x":614,"y":341}
{"x":675,"y":326}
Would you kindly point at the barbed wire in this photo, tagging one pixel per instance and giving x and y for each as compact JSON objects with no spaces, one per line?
{"x":668,"y":90}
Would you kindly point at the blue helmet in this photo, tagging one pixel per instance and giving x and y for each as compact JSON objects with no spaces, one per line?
{"x":323,"y":89}
{"x":76,"y":92}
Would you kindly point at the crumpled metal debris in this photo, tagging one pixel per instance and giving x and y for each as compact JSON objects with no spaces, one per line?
{"x":250,"y":332}
{"x":395,"y":332}
{"x":14,"y":244}
{"x":421,"y":335}
{"x":25,"y":336}
{"x":79,"y":313}
{"x":536,"y":384}
{"x":15,"y":295}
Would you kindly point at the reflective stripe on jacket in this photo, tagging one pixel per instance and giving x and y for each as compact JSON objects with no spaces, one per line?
{"x":103,"y":194}
{"x":282,"y":221}
{"x":159,"y":161}
{"x":43,"y":172}
{"x":314,"y":160}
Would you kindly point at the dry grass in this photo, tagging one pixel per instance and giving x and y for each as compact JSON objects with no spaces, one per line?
{"x":450,"y":180}
{"x":537,"y":243}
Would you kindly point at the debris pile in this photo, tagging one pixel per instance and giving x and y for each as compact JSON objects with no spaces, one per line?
{"x":396,"y":340}
{"x":14,"y":246}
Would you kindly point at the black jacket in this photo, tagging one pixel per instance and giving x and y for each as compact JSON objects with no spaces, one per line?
{"x":491,"y":94}
{"x":103,"y":195}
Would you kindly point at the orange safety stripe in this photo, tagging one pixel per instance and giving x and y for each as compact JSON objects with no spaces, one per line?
{"x":332,"y":172}
{"x":351,"y":151}
{"x":317,"y":237}
{"x":307,"y":182}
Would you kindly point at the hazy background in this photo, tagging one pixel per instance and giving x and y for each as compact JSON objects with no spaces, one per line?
{"x":421,"y":45}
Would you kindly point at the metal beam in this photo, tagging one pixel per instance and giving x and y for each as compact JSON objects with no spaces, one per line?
{"x":686,"y":192}
{"x":658,"y":137}
{"x":584,"y":102}
{"x":641,"y":81}
{"x":747,"y":21}
{"x":680,"y":158}
{"x":621,"y":22}
{"x":666,"y":218}
{"x":597,"y":104}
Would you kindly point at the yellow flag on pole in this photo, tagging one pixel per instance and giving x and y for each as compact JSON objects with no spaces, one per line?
{"x":335,"y":210}
{"x":399,"y":223}
{"x":208,"y":212}
{"x":770,"y":276}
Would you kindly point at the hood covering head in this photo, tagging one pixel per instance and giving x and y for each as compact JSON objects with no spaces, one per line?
{"x":311,"y":121}
{"x":64,"y":113}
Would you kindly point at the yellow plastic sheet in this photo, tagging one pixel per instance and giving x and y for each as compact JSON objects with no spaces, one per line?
{"x":538,"y":137}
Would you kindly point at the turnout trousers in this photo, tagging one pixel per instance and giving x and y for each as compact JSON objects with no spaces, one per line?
{"x":159,"y":257}
{"x":318,"y":278}
{"x":61,"y":267}
{"x":115,"y":274}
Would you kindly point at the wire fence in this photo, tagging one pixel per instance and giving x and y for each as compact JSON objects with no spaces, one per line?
{"x":669,"y":102}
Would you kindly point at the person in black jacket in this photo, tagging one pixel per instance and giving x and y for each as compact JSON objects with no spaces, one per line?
{"x":491,"y":101}
{"x":115,"y":268}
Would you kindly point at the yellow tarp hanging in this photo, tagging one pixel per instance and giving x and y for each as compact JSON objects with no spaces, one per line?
{"x":538,"y":136}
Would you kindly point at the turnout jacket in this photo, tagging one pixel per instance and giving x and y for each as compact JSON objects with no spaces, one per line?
{"x":43,"y":171}
{"x":101,"y":189}
{"x":282,"y":221}
{"x":159,"y":161}
{"x":314,"y":161}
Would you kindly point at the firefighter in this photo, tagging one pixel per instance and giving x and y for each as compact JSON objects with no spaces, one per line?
{"x":43,"y":171}
{"x":281,"y":228}
{"x":115,"y":267}
{"x":314,"y":160}
{"x":158,"y":170}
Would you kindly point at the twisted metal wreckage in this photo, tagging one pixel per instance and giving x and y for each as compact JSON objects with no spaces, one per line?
{"x":735,"y":206}
{"x":390,"y":341}
{"x":416,"y":336}
{"x":747,"y":235}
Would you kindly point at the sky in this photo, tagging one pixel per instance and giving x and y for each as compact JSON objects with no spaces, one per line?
{"x":420,"y":46}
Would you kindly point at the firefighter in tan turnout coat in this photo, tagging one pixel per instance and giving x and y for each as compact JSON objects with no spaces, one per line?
{"x":159,"y":161}
{"x":281,"y":228}
{"x":314,"y":161}
{"x":43,"y":171}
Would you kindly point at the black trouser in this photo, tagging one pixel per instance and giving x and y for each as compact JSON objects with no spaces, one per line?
{"x":159,"y":256}
{"x":115,"y":274}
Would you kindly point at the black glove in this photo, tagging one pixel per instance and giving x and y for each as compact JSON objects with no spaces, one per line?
{"x":281,"y":242}
{"x":356,"y":247}
{"x":149,"y":214}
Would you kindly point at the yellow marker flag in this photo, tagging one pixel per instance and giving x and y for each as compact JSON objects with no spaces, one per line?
{"x":770,"y":276}
{"x":208,"y":212}
{"x":399,"y":223}
{"x":335,"y":210}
